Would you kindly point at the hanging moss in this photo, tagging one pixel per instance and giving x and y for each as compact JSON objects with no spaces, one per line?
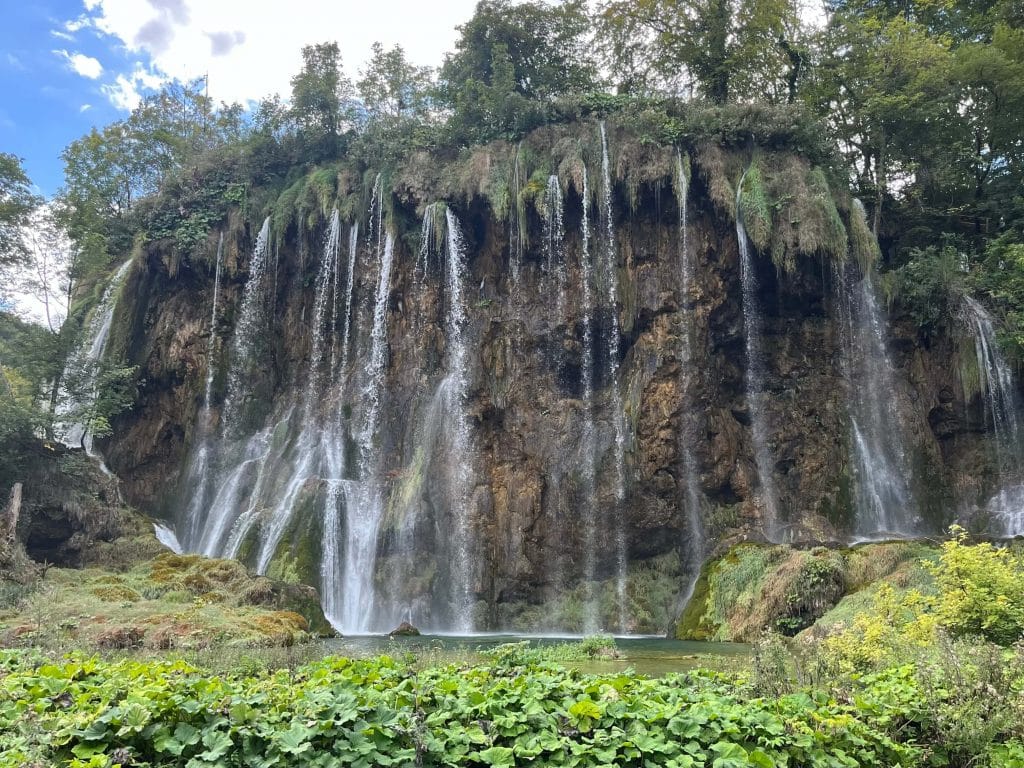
{"x":863,"y":244}
{"x":681,"y":183}
{"x":806,"y":220}
{"x":714,"y":169}
{"x":755,"y":209}
{"x":821,"y":230}
{"x":285,"y":208}
{"x":970,"y":374}
{"x":639,"y":164}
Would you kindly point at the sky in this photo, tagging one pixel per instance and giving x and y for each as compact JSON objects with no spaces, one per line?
{"x":69,"y":65}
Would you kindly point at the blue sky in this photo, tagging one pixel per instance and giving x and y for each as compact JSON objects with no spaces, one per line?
{"x":69,"y":65}
{"x":44,"y":103}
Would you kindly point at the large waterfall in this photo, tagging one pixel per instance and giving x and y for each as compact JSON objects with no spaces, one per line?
{"x":512,"y":421}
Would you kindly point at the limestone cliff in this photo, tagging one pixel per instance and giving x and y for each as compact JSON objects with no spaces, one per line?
{"x":598,"y":405}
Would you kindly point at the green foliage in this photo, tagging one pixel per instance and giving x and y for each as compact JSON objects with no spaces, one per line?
{"x":1000,"y":277}
{"x":930,"y":288}
{"x":322,"y":101}
{"x":980,"y":590}
{"x":524,"y":653}
{"x":739,"y":49}
{"x":17,"y":202}
{"x":509,"y":62}
{"x":381,"y":712}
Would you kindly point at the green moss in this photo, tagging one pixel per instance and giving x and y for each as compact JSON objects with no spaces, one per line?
{"x":695,"y":623}
{"x":863,"y":244}
{"x":755,"y":208}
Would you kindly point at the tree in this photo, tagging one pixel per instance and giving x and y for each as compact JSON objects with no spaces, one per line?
{"x":393,"y":91}
{"x":729,"y":49}
{"x":322,"y":100}
{"x":510,"y":61}
{"x":884,"y":89}
{"x":17,"y":203}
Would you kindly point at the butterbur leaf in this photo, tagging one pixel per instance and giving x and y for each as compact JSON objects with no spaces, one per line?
{"x":217,"y":744}
{"x":497,"y":756}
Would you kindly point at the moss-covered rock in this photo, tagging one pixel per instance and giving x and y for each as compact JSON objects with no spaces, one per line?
{"x":753,"y":587}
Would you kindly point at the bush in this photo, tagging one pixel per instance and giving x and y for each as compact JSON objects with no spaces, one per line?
{"x":981,"y":590}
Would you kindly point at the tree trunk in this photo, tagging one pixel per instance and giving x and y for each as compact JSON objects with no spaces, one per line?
{"x":9,"y":522}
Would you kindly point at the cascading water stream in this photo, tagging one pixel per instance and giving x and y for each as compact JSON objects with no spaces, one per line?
{"x":588,"y":441}
{"x":248,"y":330}
{"x":610,"y":275}
{"x":755,"y":378}
{"x":455,"y":391}
{"x":516,"y":246}
{"x":365,"y":499}
{"x":1002,"y":408}
{"x":884,"y":503}
{"x":554,"y":245}
{"x":688,"y":429}
{"x":206,"y":527}
{"x":200,"y":467}
{"x":87,"y":359}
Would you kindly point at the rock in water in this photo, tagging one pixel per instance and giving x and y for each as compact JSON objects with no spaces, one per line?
{"x":405,"y":629}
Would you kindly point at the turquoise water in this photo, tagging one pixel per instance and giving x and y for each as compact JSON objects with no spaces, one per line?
{"x":645,"y":655}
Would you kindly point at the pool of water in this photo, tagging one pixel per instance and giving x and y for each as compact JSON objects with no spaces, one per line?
{"x":645,"y":655}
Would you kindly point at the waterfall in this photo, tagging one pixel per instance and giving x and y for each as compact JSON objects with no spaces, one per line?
{"x":610,"y":269}
{"x":198,"y":474}
{"x":588,"y":441}
{"x":85,"y":362}
{"x":364,"y":500}
{"x":516,"y":246}
{"x":211,"y":344}
{"x":755,"y":377}
{"x":884,"y":503}
{"x":554,"y":244}
{"x":455,"y":392}
{"x":1001,"y":404}
{"x":688,"y":434}
{"x":346,"y":319}
{"x":249,"y":330}
{"x":206,"y":526}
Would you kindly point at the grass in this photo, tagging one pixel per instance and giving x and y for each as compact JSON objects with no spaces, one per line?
{"x":181,"y":602}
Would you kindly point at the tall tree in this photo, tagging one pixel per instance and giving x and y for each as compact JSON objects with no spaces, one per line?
{"x":17,"y":203}
{"x":727,"y":49}
{"x":393,"y":90}
{"x":322,"y":99}
{"x":510,"y":61}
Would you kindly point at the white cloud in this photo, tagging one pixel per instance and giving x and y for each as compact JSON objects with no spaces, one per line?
{"x":84,"y":65}
{"x":85,"y":108}
{"x":62,"y":34}
{"x":14,"y":62}
{"x":125,"y":92}
{"x":251,"y":48}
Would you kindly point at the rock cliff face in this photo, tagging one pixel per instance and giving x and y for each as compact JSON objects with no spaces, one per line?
{"x":603,"y":387}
